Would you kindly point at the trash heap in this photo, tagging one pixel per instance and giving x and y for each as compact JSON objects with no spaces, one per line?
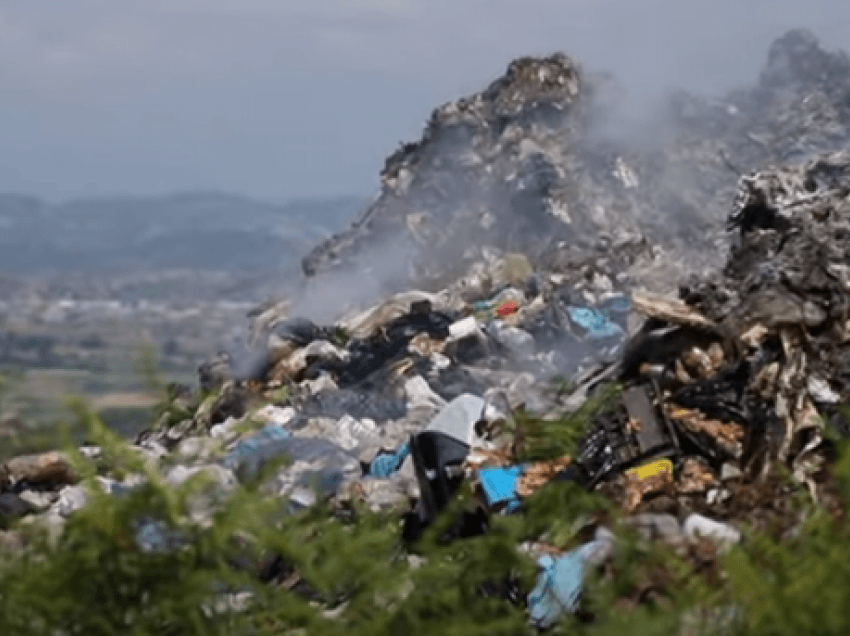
{"x":748,"y":366}
{"x":702,"y":392}
{"x":534,"y":164}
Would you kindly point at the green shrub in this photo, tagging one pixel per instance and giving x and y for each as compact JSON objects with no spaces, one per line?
{"x":97,"y":580}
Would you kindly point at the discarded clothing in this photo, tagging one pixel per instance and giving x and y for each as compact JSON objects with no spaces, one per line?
{"x":437,"y":460}
{"x":558,"y":588}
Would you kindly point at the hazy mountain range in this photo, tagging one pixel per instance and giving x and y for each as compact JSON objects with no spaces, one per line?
{"x":209,"y":231}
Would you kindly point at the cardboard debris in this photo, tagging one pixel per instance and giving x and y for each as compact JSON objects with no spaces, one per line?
{"x":536,"y":475}
{"x":695,"y":476}
{"x":51,"y":467}
{"x":728,"y":435}
{"x":670,"y":310}
{"x":651,"y":478}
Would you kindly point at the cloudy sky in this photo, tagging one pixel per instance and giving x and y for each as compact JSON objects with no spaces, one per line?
{"x":286,"y":98}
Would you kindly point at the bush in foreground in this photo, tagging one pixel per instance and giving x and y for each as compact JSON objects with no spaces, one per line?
{"x":135,"y":564}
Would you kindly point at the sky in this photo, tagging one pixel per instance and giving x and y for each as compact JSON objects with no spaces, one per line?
{"x":281,"y":99}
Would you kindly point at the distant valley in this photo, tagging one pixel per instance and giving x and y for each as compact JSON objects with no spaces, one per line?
{"x":203,"y":231}
{"x":95,"y":291}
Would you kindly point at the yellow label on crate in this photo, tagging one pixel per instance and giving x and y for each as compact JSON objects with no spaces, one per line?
{"x":650,"y":470}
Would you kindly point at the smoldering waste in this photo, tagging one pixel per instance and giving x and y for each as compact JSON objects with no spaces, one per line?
{"x":708,"y":278}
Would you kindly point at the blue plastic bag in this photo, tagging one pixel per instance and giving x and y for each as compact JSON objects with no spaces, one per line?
{"x":499,"y":485}
{"x":386,"y":464}
{"x":268,"y":443}
{"x":597,"y":324}
{"x":560,"y":584}
{"x":153,"y":536}
{"x":558,"y":588}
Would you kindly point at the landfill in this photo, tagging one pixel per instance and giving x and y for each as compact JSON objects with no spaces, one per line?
{"x":708,"y":281}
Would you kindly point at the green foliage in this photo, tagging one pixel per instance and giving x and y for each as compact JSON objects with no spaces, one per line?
{"x":544,"y":439}
{"x":281,"y":396}
{"x":340,"y":336}
{"x":800,"y":585}
{"x":96,"y":580}
{"x":30,"y":441}
{"x":560,"y":512}
{"x":561,"y":386}
{"x":357,"y":577}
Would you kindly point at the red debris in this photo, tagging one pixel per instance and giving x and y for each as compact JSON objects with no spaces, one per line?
{"x":506,"y":308}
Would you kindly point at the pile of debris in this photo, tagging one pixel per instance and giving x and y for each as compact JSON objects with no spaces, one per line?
{"x":424,"y":393}
{"x":746,"y":369}
{"x":531,"y":164}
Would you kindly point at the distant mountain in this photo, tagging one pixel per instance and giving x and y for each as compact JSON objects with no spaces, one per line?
{"x":194,"y":230}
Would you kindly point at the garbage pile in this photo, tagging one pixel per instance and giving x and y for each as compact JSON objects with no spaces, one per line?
{"x":706,"y":389}
{"x":530,"y":164}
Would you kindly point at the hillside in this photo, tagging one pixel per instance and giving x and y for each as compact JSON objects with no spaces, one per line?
{"x":203,"y":231}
